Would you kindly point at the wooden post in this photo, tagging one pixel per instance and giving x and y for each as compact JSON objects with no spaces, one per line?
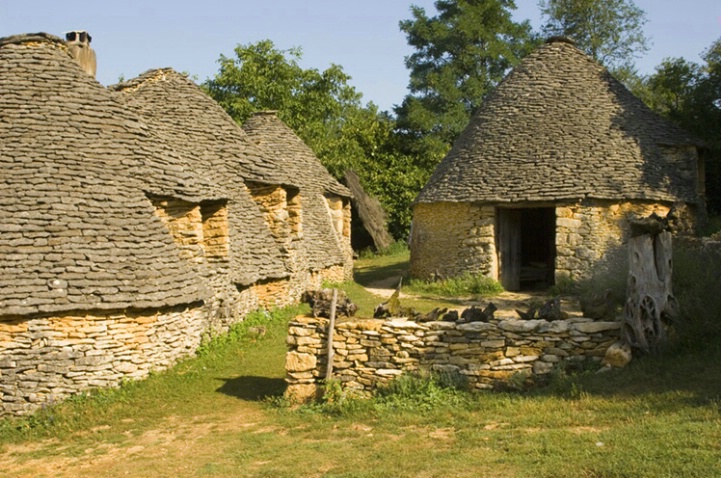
{"x":331,"y":327}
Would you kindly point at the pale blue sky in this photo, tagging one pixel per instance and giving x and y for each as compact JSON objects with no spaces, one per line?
{"x":133,"y":36}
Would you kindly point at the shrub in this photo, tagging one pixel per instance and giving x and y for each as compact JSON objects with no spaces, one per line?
{"x":696,"y":284}
{"x":697,"y":287}
{"x":423,"y":391}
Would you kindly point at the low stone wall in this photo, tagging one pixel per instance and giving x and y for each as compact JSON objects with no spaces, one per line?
{"x":47,"y":359}
{"x":370,"y":352}
{"x":44,"y":360}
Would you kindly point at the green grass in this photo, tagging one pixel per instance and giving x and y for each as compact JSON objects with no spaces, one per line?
{"x":659,"y":417}
{"x":378,"y":267}
{"x":463,"y":286}
{"x":424,"y":296}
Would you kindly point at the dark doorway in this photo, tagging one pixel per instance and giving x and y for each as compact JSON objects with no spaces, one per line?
{"x":526,"y":245}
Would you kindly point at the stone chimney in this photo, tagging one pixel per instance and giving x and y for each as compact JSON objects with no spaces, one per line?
{"x":79,"y":43}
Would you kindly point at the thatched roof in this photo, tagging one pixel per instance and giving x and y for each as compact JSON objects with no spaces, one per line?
{"x":177,"y":110}
{"x":561,"y":127}
{"x":76,"y":230}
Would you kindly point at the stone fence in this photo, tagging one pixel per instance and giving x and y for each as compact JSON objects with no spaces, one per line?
{"x":44,"y":360}
{"x":371,"y":352}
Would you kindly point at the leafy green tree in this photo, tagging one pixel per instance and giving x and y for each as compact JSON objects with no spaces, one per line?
{"x":327,"y":114}
{"x":315,"y":104}
{"x":672,"y":87}
{"x":460,"y":56}
{"x":611,"y":31}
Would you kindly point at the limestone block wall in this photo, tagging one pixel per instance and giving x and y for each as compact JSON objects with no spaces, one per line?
{"x":595,"y":232}
{"x":370,"y":352}
{"x":216,"y":238}
{"x":333,"y":274}
{"x":340,"y":213}
{"x":295,"y":214}
{"x":273,"y":201}
{"x":449,"y":239}
{"x":270,"y":294}
{"x":184,"y":220}
{"x":46,"y":359}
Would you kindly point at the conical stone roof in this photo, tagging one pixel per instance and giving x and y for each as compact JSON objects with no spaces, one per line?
{"x":178,"y":111}
{"x":187,"y":118}
{"x":294,"y":160}
{"x":76,"y":230}
{"x":561,"y":127}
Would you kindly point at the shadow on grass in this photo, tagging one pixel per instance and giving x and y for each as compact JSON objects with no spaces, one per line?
{"x":252,"y":388}
{"x":690,"y":377}
{"x":366,"y":276}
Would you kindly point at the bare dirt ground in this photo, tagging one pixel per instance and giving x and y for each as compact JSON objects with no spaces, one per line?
{"x":162,"y":451}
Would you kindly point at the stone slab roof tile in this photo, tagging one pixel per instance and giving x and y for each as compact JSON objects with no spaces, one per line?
{"x":560,"y":126}
{"x":298,"y":162}
{"x":178,"y":111}
{"x":291,"y":156}
{"x":319,"y":239}
{"x":77,"y":232}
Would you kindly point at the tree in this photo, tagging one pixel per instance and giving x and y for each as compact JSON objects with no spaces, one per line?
{"x":461,"y":55}
{"x":315,"y":104}
{"x":611,"y":31}
{"x":672,"y":87}
{"x":326,"y":112}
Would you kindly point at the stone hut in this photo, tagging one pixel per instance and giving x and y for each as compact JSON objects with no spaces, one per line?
{"x":93,"y":289}
{"x":135,"y":219}
{"x":325,"y":249}
{"x":247,"y":267}
{"x":276,"y":258}
{"x":542,"y":181}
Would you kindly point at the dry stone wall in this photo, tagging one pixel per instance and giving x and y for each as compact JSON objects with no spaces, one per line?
{"x":340,"y":214}
{"x":450,"y":239}
{"x":595,"y":233}
{"x":184,"y":221}
{"x":273,"y":203}
{"x":370,"y":352}
{"x":44,"y":360}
